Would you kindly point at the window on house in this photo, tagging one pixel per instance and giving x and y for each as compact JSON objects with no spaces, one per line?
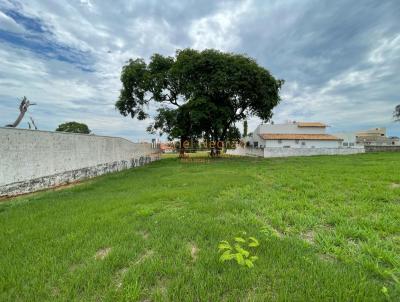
{"x":255,"y":144}
{"x":279,"y":141}
{"x":351,"y":144}
{"x":286,"y":146}
{"x":296,"y":141}
{"x":303,"y":143}
{"x":345,"y":144}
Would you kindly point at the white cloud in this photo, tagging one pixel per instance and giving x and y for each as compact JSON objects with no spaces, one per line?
{"x":284,"y":37}
{"x":386,"y":48}
{"x":8,"y":24}
{"x":218,"y":30}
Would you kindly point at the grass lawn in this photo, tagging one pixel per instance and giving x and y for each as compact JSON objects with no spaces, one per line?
{"x":328,"y":226}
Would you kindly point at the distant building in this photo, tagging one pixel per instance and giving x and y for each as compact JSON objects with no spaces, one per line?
{"x":376,"y":137}
{"x":371,"y":137}
{"x":349,"y":139}
{"x":294,"y":139}
{"x":293,"y":135}
{"x":167,"y":148}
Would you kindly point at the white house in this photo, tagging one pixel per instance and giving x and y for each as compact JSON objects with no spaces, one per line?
{"x":349,"y":139}
{"x":293,"y":135}
{"x":293,"y":139}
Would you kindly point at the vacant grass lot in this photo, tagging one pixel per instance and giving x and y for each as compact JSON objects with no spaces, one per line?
{"x":329,"y":229}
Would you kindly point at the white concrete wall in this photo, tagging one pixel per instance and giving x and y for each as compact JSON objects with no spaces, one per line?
{"x":31,"y":154}
{"x":287,"y":152}
{"x":349,"y":139}
{"x":246,"y":151}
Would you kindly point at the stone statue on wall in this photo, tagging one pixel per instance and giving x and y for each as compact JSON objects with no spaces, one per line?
{"x":23,"y":108}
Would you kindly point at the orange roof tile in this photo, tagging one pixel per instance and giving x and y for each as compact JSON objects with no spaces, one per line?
{"x":311,"y":124}
{"x":324,"y":137}
{"x":166,"y":146}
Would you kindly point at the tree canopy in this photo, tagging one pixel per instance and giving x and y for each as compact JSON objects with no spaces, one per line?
{"x":396,"y":113}
{"x":73,"y":127}
{"x":198,"y":93}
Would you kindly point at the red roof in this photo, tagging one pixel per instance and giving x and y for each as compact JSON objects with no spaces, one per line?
{"x":166,"y":146}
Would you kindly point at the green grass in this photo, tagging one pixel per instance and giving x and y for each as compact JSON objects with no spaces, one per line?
{"x":329,"y":228}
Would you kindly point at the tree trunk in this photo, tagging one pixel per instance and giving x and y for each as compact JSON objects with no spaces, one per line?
{"x":182,"y":148}
{"x":23,"y":108}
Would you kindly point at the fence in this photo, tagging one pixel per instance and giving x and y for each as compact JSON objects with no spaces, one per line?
{"x":31,"y":160}
{"x":286,"y":152}
{"x":382,"y":148}
{"x":246,"y":151}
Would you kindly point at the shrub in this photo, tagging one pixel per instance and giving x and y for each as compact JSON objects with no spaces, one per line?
{"x":238,"y":251}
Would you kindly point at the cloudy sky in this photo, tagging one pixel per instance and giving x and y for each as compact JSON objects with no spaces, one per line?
{"x":340,"y":59}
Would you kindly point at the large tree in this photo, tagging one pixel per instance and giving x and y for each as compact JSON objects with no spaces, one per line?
{"x":199,"y":94}
{"x":73,"y":127}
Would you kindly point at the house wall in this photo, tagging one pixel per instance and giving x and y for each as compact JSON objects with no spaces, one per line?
{"x":349,"y":139}
{"x":290,"y":129}
{"x":287,"y":152}
{"x":31,"y":160}
{"x":308,"y":144}
{"x":375,"y":132}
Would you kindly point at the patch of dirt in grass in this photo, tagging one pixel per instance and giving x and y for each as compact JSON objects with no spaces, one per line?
{"x":161,"y":287}
{"x":309,"y":236}
{"x":194,"y":250}
{"x":75,"y":267}
{"x":352,"y":242}
{"x":55,"y":291}
{"x":255,"y":294}
{"x":119,"y":277}
{"x":53,"y":188}
{"x":394,"y":185}
{"x":272,"y":232}
{"x":174,"y":207}
{"x":120,"y":274}
{"x":103,"y":253}
{"x":326,"y":258}
{"x":392,"y":237}
{"x":144,"y":234}
{"x":67,"y":185}
{"x":147,"y":254}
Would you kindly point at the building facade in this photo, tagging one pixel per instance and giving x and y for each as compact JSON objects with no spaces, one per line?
{"x":293,"y":135}
{"x":376,"y":137}
{"x":293,"y":139}
{"x":371,"y":137}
